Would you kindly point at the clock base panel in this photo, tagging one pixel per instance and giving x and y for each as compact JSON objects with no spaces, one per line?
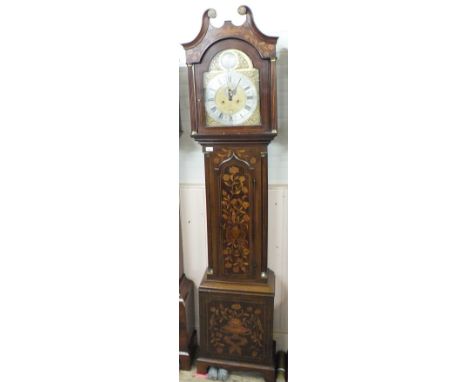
{"x":236,"y":326}
{"x":268,"y":371}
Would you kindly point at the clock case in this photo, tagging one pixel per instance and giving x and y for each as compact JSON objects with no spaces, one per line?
{"x":236,"y":300}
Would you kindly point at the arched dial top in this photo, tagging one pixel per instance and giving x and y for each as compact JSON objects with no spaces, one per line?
{"x":231,"y":88}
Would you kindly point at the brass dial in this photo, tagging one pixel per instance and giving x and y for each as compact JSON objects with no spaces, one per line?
{"x":231,"y":98}
{"x":231,"y":90}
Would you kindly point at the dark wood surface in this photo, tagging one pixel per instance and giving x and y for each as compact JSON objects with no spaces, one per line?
{"x":187,"y":333}
{"x":267,"y":288}
{"x":248,"y":31}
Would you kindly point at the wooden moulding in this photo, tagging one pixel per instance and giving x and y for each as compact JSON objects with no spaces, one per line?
{"x":248,"y":31}
{"x":268,"y":372}
{"x":264,"y":289}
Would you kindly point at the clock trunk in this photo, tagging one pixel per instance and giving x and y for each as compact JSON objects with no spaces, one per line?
{"x":236,"y":182}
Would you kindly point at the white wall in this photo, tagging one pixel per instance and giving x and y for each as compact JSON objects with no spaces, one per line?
{"x":191,"y":171}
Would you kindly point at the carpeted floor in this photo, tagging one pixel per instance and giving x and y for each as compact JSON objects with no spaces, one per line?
{"x":189,"y":376}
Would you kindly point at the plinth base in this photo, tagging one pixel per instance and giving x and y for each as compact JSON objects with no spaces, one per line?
{"x":236,"y":326}
{"x":268,"y":372}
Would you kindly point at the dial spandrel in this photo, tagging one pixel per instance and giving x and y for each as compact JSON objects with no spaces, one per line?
{"x":231,"y":90}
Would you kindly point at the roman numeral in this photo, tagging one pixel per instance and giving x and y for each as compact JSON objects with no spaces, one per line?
{"x":210,"y":99}
{"x":247,"y":107}
{"x":213,"y":109}
{"x":250,"y":97}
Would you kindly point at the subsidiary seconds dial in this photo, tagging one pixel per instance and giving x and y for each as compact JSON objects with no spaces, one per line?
{"x":230,"y":98}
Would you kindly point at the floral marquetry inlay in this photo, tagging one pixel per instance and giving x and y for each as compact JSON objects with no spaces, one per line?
{"x":243,"y":154}
{"x":236,"y":219}
{"x":236,"y":329}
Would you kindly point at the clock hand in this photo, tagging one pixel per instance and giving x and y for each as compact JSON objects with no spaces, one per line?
{"x":235,"y":89}
{"x":228,"y":85}
{"x":228,"y":81}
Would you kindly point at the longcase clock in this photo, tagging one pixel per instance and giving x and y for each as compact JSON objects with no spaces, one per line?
{"x":232,"y":80}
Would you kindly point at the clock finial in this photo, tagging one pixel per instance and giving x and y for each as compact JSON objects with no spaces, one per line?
{"x":211,"y":13}
{"x":242,"y":10}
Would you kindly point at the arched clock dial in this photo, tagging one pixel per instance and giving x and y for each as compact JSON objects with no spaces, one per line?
{"x":230,"y":98}
{"x":231,"y":90}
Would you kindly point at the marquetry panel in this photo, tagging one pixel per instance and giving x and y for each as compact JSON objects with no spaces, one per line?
{"x":235,"y":182}
{"x":237,"y":326}
{"x":236,"y":219}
